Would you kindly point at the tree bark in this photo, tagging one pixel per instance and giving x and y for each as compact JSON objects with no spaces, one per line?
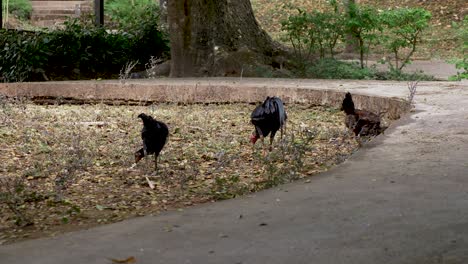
{"x":216,"y":38}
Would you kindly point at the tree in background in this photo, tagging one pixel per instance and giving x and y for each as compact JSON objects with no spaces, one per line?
{"x":216,"y":38}
{"x":363,"y":25}
{"x":403,"y":27}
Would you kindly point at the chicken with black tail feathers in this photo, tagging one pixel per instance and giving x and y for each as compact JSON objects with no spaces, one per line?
{"x":268,"y":118}
{"x":154,"y":135}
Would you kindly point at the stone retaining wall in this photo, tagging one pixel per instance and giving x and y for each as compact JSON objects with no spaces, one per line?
{"x":199,"y":91}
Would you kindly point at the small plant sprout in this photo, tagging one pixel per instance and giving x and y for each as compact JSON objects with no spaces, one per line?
{"x":125,"y":71}
{"x":151,"y":65}
{"x":412,"y":86}
{"x":13,"y":193}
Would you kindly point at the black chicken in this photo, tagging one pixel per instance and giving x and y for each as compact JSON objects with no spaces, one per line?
{"x":154,"y":135}
{"x":268,"y":118}
{"x":361,"y":122}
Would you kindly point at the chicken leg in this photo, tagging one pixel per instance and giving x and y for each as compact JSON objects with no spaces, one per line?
{"x":155,"y":163}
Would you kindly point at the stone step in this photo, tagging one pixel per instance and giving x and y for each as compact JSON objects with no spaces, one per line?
{"x":54,"y":12}
{"x":47,"y":23}
{"x":48,"y":13}
{"x":55,"y":17}
{"x":53,"y":4}
{"x":59,"y":7}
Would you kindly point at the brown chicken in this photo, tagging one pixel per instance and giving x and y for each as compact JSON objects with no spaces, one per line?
{"x":360,"y":122}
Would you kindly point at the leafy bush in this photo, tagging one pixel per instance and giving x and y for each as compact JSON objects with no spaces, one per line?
{"x":403,"y":27}
{"x":20,"y":8}
{"x":14,"y":193}
{"x":314,"y":32}
{"x":462,"y":64}
{"x":228,"y":187}
{"x":363,"y":24}
{"x":299,"y":34}
{"x":319,"y":32}
{"x":128,"y":15}
{"x":77,"y":51}
{"x":334,"y":69}
{"x":328,"y":28}
{"x":398,"y":75}
{"x":22,"y":55}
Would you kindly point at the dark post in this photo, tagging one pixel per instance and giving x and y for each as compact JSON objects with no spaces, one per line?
{"x":1,"y":13}
{"x":99,"y":12}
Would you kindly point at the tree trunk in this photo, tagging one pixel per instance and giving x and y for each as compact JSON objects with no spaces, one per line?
{"x":216,"y":38}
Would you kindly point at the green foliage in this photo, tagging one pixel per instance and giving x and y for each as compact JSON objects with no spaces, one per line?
{"x":228,"y":187}
{"x":14,"y":193}
{"x":314,"y":32}
{"x":398,"y":75}
{"x":22,"y":54}
{"x":20,"y":8}
{"x":363,"y":24}
{"x":328,"y":28}
{"x":335,"y":69}
{"x":462,"y":64}
{"x":125,"y":14}
{"x":319,"y":33}
{"x":286,"y":162}
{"x":77,"y":51}
{"x":403,"y":28}
{"x":299,"y":34}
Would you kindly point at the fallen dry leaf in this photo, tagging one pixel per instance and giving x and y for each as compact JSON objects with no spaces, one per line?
{"x":124,"y":261}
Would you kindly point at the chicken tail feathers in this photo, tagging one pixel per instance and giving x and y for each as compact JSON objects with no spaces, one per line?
{"x":348,"y":105}
{"x":272,"y":106}
{"x":279,"y":109}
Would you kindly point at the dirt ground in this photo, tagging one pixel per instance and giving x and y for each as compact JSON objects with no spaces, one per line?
{"x":69,"y":167}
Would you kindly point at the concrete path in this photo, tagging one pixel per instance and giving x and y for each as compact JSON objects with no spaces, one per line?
{"x":441,"y":70}
{"x":403,"y":198}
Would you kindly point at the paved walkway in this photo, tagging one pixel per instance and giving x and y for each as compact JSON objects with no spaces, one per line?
{"x":403,"y":198}
{"x":441,"y":70}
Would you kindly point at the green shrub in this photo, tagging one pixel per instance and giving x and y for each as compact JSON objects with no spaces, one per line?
{"x":328,"y":28}
{"x":403,"y":28}
{"x":22,"y":55}
{"x":319,"y":33}
{"x":316,"y":32}
{"x":335,"y":69}
{"x":77,"y":52}
{"x":20,"y":8}
{"x":125,"y":14}
{"x":462,"y":64}
{"x":398,"y":75}
{"x":299,"y":34}
{"x":363,"y":24}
